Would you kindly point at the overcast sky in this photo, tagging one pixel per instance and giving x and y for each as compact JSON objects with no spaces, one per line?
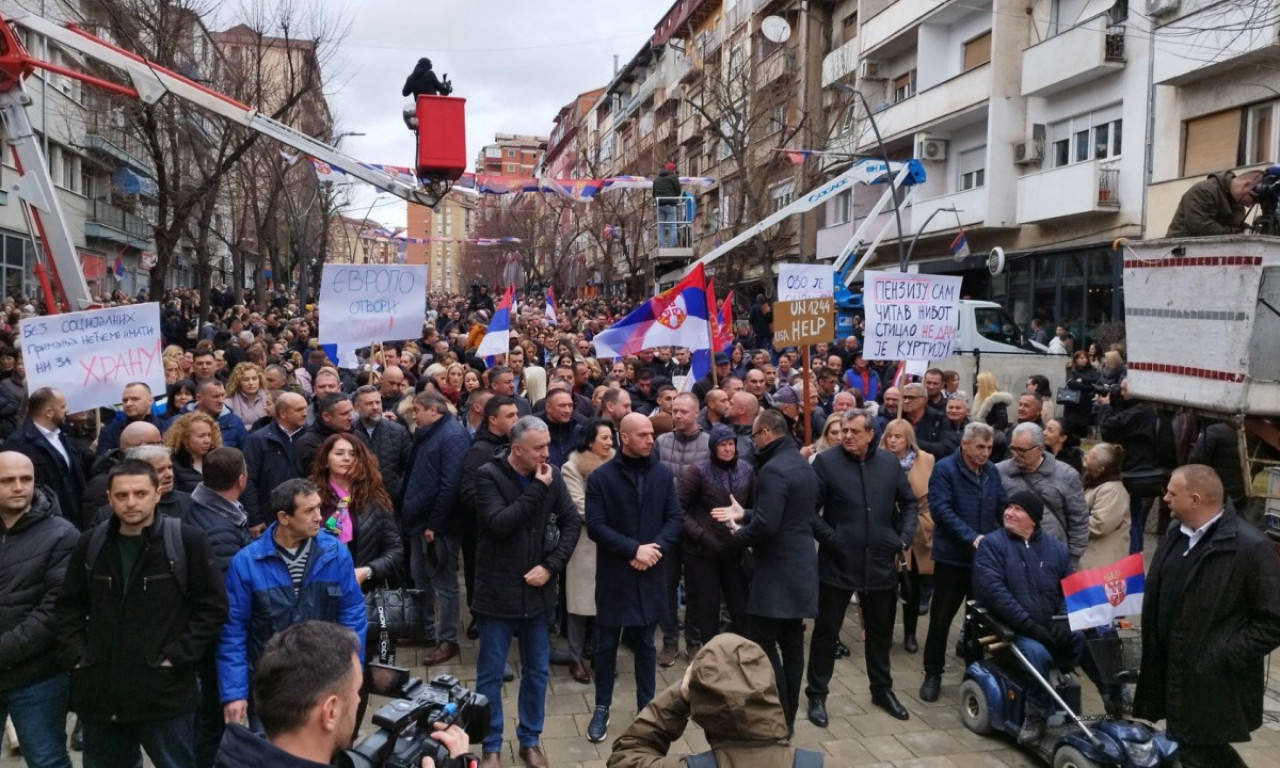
{"x":517,"y":62}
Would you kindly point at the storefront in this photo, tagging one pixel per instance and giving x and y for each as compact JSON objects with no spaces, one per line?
{"x":1079,"y":288}
{"x":17,"y":260}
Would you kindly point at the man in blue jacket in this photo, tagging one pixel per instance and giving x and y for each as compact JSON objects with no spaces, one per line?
{"x":1017,"y":575}
{"x":290,"y":574}
{"x":633,"y":515}
{"x":432,"y":518}
{"x":967,"y":500}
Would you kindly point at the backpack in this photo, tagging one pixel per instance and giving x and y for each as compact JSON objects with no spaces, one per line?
{"x":803,"y":758}
{"x":174,"y":553}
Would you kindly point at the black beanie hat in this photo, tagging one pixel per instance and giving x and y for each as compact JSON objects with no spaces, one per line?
{"x":1030,"y":503}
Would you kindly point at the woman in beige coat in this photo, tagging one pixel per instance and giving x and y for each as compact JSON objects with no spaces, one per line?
{"x":900,"y":440}
{"x":594,"y":448}
{"x":1108,"y":504}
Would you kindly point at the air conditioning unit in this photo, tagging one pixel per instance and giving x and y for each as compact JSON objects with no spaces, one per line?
{"x":932,"y":150}
{"x":870,"y":69}
{"x":1162,"y":7}
{"x":1029,"y":152}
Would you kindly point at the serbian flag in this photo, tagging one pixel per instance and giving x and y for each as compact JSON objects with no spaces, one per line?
{"x":497,"y":339}
{"x":724,"y":325}
{"x":551,"y":307}
{"x":117,"y":267}
{"x":960,"y":247}
{"x":674,"y":318}
{"x":1097,"y":596}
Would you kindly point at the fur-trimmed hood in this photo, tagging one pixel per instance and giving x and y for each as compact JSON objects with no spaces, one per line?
{"x":984,"y":408}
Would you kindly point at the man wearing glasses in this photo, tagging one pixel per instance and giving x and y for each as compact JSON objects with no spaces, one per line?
{"x":932,"y":431}
{"x":784,"y":591}
{"x":1056,"y":484}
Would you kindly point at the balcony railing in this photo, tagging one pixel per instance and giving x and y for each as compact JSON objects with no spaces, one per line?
{"x":1115,"y":44}
{"x":1109,"y":187}
{"x":122,"y":221}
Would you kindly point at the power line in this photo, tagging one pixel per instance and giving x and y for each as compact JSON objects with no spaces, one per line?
{"x":492,"y":49}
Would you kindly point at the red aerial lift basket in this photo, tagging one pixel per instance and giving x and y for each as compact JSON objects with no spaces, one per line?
{"x":442,"y":138}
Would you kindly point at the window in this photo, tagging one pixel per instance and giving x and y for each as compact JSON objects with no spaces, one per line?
{"x":1260,"y":134}
{"x":977,"y":51}
{"x":904,"y":86}
{"x":511,"y":168}
{"x":973,"y":170}
{"x":511,"y":153}
{"x":1211,"y":142}
{"x":840,"y":209}
{"x":849,"y":25}
{"x":780,"y":196}
{"x":778,"y":118}
{"x":849,"y":118}
{"x":1092,"y":136}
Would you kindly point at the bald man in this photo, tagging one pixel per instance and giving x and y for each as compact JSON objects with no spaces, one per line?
{"x":1210,"y":618}
{"x":268,"y":454}
{"x":134,"y":434}
{"x":743,"y":409}
{"x":633,"y":515}
{"x":38,"y":546}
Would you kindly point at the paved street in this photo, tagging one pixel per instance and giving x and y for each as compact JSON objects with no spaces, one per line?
{"x":859,"y":734}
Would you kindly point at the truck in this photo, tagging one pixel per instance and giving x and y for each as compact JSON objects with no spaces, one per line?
{"x":1202,"y":324}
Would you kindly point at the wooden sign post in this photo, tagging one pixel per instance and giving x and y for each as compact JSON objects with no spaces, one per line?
{"x":802,"y":323}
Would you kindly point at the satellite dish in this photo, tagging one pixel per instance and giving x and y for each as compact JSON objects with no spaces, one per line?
{"x":995,"y":260}
{"x":775,"y":29}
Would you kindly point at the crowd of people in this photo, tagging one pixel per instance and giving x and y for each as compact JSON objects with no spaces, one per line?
{"x":153,"y":555}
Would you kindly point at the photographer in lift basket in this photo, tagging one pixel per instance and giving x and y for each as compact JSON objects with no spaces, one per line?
{"x":306,"y":690}
{"x":1216,"y":206}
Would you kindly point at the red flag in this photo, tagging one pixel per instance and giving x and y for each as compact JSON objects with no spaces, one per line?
{"x":723,"y":340}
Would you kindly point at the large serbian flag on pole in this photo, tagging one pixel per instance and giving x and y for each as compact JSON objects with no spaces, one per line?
{"x":1097,"y":596}
{"x":497,"y":339}
{"x":674,"y":318}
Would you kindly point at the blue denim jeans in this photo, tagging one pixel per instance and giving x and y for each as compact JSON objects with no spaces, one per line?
{"x":39,"y":712}
{"x":445,"y":587}
{"x":535,"y":663}
{"x":167,"y":742}
{"x":1043,"y":661}
{"x":666,"y":226}
{"x":640,"y":641}
{"x":422,"y":580}
{"x":1138,"y":509}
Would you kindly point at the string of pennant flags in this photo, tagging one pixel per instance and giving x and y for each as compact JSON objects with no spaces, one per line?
{"x":383,"y":235}
{"x":580,"y":190}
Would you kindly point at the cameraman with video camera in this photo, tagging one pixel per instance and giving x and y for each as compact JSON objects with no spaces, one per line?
{"x":306,"y":690}
{"x":1215,"y":206}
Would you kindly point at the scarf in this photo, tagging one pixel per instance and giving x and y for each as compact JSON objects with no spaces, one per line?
{"x":907,"y":461}
{"x":340,"y":523}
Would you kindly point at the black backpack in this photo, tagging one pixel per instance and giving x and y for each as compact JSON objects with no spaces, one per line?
{"x":803,"y":758}
{"x":174,"y":553}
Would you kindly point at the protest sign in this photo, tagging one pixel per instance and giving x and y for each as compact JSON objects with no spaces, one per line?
{"x":90,"y":356}
{"x":361,"y":304}
{"x":910,"y":316}
{"x":797,"y":282}
{"x":796,"y":323}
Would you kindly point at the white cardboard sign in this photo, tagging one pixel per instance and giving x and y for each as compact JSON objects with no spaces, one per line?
{"x":365,"y":303}
{"x":910,"y":316}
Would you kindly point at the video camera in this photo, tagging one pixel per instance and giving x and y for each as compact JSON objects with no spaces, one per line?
{"x":405,"y":723}
{"x":1266,"y":192}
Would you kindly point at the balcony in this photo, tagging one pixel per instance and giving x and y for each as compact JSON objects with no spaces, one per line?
{"x":1071,"y":190}
{"x":897,"y":18}
{"x":107,"y":222}
{"x":960,"y":93}
{"x":1085,"y":52}
{"x":840,"y":63}
{"x":775,"y":66}
{"x":690,"y":129}
{"x":663,"y":131}
{"x":1216,"y":36}
{"x":971,"y":204}
{"x":107,"y":137}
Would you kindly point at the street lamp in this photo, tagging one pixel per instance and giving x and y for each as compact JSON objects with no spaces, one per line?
{"x":884,"y":155}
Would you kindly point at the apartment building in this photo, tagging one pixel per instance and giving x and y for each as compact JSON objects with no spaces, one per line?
{"x":510,"y":154}
{"x":1031,"y":123}
{"x":452,"y":220}
{"x":1215,"y":92}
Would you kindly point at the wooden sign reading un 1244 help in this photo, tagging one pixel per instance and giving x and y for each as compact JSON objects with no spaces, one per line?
{"x":796,"y":323}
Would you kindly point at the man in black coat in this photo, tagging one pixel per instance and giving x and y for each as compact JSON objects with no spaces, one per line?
{"x":1210,"y":618}
{"x":868,"y":521}
{"x":56,"y":459}
{"x":933,"y":433}
{"x":1133,"y":425}
{"x":268,"y":453}
{"x":387,"y":440}
{"x":784,"y":589}
{"x":499,"y":416}
{"x":33,"y":560}
{"x":336,"y":414}
{"x":528,"y":528}
{"x":216,"y":510}
{"x":633,"y":515}
{"x":133,"y":624}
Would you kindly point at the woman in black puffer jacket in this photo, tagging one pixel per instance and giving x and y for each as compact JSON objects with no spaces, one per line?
{"x":712,"y":557}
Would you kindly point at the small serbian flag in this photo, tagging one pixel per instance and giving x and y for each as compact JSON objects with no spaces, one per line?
{"x":960,"y":247}
{"x":117,"y":268}
{"x":550,"y":312}
{"x":1097,"y":596}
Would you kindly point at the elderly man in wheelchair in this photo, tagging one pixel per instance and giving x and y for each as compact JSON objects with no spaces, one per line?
{"x":1017,"y":579}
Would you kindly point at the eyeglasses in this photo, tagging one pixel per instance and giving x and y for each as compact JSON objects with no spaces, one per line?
{"x":1022,"y":451}
{"x":913,"y":397}
{"x":759,"y":432}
